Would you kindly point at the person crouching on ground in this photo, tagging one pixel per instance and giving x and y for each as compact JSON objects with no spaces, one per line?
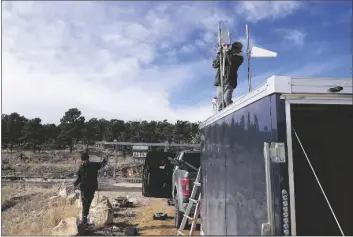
{"x":87,"y":182}
{"x":233,"y":60}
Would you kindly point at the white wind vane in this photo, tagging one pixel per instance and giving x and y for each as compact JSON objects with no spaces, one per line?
{"x":255,"y":52}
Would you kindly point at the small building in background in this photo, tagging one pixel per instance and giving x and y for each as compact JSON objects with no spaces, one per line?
{"x":139,"y":151}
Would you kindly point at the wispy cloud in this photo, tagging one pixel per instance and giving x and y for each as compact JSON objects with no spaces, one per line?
{"x":106,"y":58}
{"x":255,"y":11}
{"x":320,"y":47}
{"x":316,"y":68}
{"x":126,"y":60}
{"x":292,"y":37}
{"x":344,"y":18}
{"x":313,"y":69}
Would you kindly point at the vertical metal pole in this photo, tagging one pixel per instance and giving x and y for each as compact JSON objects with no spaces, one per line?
{"x":230,"y":37}
{"x":293,"y":222}
{"x":249,"y":73}
{"x":221,"y":63}
{"x":248,"y":54}
{"x":222,"y":80}
{"x":115,"y":163}
{"x":268,"y":227}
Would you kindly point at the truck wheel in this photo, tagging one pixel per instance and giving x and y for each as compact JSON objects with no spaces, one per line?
{"x":178,"y":215}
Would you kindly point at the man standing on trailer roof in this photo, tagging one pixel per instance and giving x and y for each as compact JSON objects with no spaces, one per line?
{"x":233,"y":60}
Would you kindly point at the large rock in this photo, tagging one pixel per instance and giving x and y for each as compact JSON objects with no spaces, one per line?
{"x":78,"y":203}
{"x":102,"y":213}
{"x":97,"y":198}
{"x":67,"y":227}
{"x":65,"y":190}
{"x":57,"y":201}
{"x":75,"y":199}
{"x":71,"y":198}
{"x":60,"y":201}
{"x":133,"y":200}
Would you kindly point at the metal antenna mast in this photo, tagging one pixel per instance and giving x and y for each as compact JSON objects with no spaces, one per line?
{"x":221,"y":63}
{"x":248,"y":54}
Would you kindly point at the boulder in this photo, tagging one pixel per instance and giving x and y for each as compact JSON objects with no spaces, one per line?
{"x":65,"y":190}
{"x":133,"y":200}
{"x":78,"y":203}
{"x":97,"y":198}
{"x":57,"y":201}
{"x":67,"y":227}
{"x":76,"y":199}
{"x":102,"y":213}
{"x":71,"y":198}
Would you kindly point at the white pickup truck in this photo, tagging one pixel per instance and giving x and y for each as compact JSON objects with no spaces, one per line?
{"x":183,"y":182}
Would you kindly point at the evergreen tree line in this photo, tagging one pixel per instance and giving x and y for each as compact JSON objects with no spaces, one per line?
{"x":18,"y":131}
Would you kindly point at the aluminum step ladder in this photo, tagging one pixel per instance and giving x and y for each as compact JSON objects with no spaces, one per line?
{"x":192,"y":202}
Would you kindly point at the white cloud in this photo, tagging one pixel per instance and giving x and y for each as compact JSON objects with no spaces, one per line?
{"x":255,"y":11}
{"x":112,"y":59}
{"x":317,"y":68}
{"x":293,"y":37}
{"x":99,"y":57}
{"x":312,"y":69}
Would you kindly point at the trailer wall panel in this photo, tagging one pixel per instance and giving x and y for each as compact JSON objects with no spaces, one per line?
{"x":233,"y":171}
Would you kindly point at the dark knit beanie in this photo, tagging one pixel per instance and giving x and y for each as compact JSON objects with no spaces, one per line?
{"x":237,"y":45}
{"x":84,"y":156}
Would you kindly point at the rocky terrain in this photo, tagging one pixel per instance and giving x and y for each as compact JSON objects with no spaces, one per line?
{"x":31,"y":210}
{"x":62,"y":164}
{"x":37,"y":211}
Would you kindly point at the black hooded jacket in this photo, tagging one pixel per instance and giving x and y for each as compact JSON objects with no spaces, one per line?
{"x":232,"y":64}
{"x":87,"y":175}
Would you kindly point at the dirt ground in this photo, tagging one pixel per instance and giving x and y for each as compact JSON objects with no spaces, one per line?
{"x":141,"y":215}
{"x":25,"y":212}
{"x":147,"y":226}
{"x":25,"y":209}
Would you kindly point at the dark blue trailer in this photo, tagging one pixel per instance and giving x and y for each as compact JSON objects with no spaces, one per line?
{"x":279,"y":161}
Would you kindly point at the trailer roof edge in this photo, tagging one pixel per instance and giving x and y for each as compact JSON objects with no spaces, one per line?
{"x":285,"y":85}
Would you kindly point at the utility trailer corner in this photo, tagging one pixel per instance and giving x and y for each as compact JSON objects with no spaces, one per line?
{"x":278,"y":161}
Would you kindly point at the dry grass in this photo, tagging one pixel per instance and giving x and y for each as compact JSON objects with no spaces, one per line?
{"x":28,"y":211}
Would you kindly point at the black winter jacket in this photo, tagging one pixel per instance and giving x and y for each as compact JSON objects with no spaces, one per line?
{"x":232,"y":64}
{"x":87,"y":175}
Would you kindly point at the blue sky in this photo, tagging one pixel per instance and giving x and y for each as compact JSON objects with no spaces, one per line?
{"x":152,"y":60}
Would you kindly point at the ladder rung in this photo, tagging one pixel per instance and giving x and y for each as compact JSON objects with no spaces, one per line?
{"x":193,"y":200}
{"x":190,"y":205}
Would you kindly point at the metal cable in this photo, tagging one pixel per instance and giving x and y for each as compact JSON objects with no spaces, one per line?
{"x":318,"y":181}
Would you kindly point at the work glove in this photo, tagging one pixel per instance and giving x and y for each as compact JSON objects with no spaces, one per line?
{"x":104,"y":161}
{"x":219,"y":50}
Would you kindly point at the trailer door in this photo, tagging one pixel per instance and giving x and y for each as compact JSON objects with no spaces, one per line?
{"x":320,"y":157}
{"x":157,"y":175}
